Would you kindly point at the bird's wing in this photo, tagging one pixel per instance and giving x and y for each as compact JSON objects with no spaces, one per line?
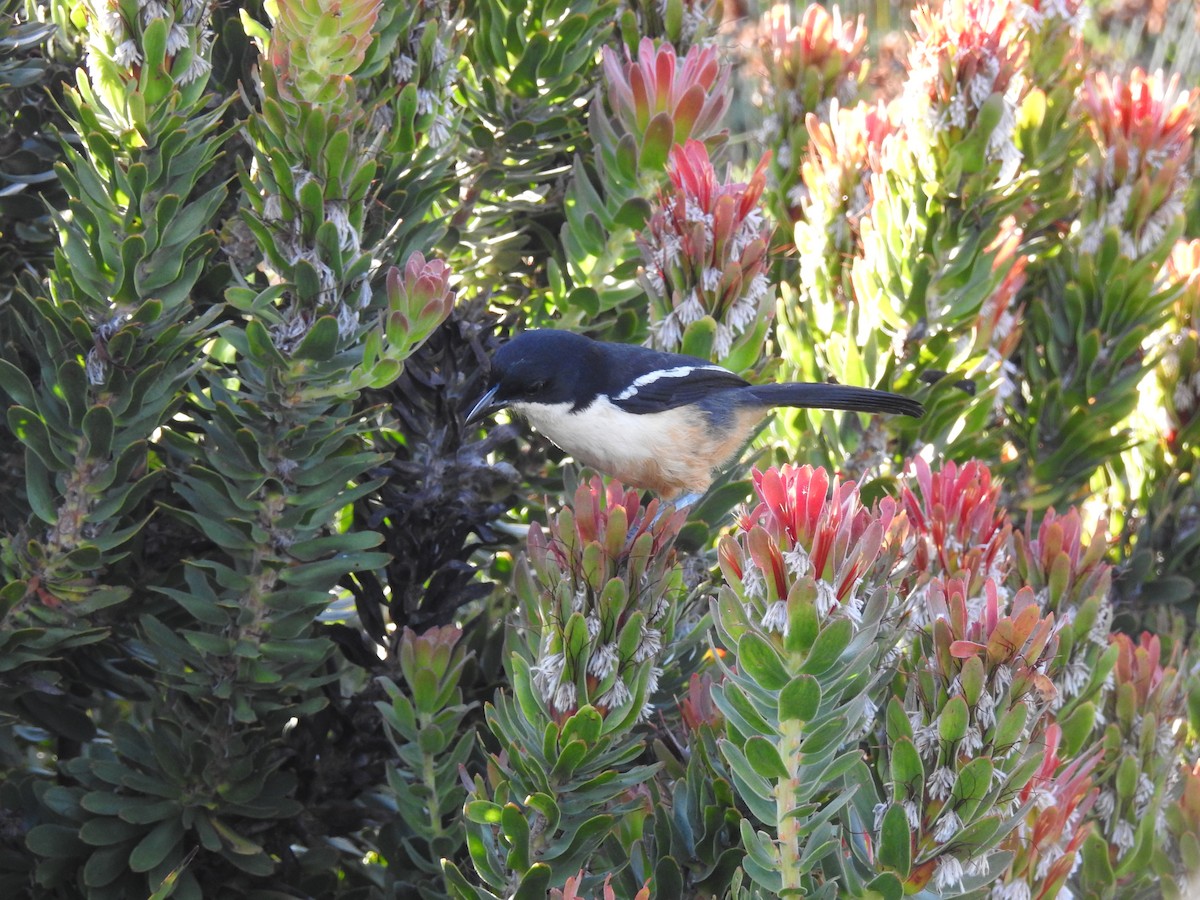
{"x":686,"y":381}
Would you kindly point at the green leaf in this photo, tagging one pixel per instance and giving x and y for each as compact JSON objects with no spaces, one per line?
{"x":831,"y":642}
{"x":535,"y":883}
{"x":800,"y":699}
{"x":699,"y":337}
{"x":1077,"y":728}
{"x":971,"y":786}
{"x":978,"y":834}
{"x":106,"y":866}
{"x":106,"y":831}
{"x":569,"y":758}
{"x":516,"y":829}
{"x":32,"y":432}
{"x":898,"y":725}
{"x":764,"y":758}
{"x":829,"y":734}
{"x":587,"y":838}
{"x":482,"y":812}
{"x":633,"y":215}
{"x":908,"y":774}
{"x":98,"y":428}
{"x":585,"y":299}
{"x":321,"y":341}
{"x":895,"y":841}
{"x":759,"y":660}
{"x":261,"y":348}
{"x":1097,"y":872}
{"x":15,"y":383}
{"x":585,"y":725}
{"x":1010,"y":728}
{"x":55,"y":841}
{"x":522,"y":81}
{"x":954,"y":719}
{"x":39,"y":488}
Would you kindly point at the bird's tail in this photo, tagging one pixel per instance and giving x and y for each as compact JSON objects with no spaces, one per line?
{"x":835,"y":396}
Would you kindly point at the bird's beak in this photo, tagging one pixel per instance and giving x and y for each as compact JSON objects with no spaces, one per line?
{"x":485,"y":406}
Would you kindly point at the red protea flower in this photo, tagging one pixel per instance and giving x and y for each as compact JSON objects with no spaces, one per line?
{"x":960,"y":526}
{"x":692,"y":97}
{"x":1138,"y":173}
{"x":1021,"y":639}
{"x":807,"y":67}
{"x":967,"y":55}
{"x":705,"y":251}
{"x":835,"y":174}
{"x":803,"y":528}
{"x":1062,"y":562}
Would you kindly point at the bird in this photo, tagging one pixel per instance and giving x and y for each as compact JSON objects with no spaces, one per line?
{"x":655,"y":420}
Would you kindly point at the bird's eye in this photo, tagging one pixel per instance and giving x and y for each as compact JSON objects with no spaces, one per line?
{"x":538,"y":386}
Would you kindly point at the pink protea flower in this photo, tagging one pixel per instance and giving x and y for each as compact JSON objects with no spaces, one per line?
{"x":815,"y":60}
{"x":807,"y":66}
{"x":834,"y":189}
{"x":705,"y":251}
{"x":692,"y":97}
{"x":1139,"y":666}
{"x":1048,"y":840}
{"x":420,"y":295}
{"x":1063,"y":562}
{"x":1138,"y":172}
{"x":599,"y":514}
{"x":842,"y":149}
{"x":805,"y":529}
{"x":967,"y":56}
{"x":960,"y":527}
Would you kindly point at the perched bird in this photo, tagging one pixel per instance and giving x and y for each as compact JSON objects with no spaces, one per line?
{"x":655,"y":420}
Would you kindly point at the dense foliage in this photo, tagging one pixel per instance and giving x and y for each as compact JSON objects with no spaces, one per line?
{"x":276,"y":622}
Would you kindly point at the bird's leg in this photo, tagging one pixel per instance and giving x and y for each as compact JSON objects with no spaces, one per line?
{"x":686,"y":500}
{"x":681,"y":502}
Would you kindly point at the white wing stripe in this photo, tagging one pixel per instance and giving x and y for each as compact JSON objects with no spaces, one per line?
{"x":651,"y":377}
